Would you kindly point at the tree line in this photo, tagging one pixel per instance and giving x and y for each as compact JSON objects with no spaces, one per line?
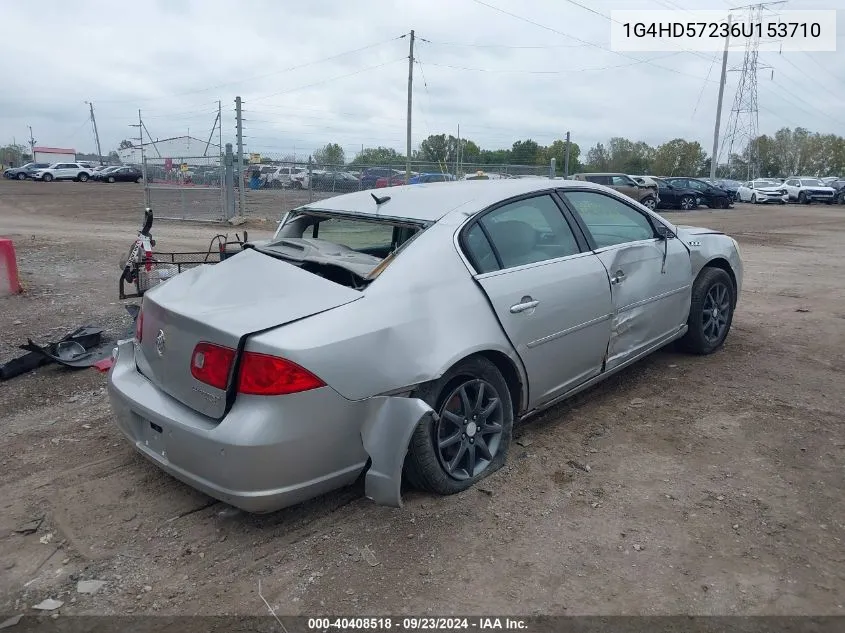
{"x":786,"y":153}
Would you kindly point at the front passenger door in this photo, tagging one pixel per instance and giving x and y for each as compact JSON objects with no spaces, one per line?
{"x":650,"y":276}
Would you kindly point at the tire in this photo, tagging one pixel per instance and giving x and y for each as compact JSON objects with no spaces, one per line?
{"x":841,"y":198}
{"x":82,"y":177}
{"x":687,"y":203}
{"x":428,"y":467}
{"x":110,"y":179}
{"x":139,"y":179}
{"x":802,"y":198}
{"x":297,"y":184}
{"x":47,"y":177}
{"x":21,"y":176}
{"x":649,"y":203}
{"x":724,"y":203}
{"x":713,"y":289}
{"x":753,"y":198}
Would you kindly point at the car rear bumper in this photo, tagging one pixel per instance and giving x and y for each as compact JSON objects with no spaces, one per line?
{"x":266,"y":454}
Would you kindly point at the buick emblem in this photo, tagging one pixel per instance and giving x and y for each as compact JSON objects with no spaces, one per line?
{"x":160,"y":341}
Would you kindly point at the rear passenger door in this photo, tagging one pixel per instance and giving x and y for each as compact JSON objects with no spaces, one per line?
{"x":650,"y":276}
{"x":549,"y":292}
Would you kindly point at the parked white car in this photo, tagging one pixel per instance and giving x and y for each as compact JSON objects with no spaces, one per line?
{"x":284,"y":176}
{"x":759,"y":191}
{"x":63,"y":171}
{"x":805,"y":190}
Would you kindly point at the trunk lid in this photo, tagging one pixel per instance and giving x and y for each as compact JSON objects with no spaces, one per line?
{"x":221,"y":304}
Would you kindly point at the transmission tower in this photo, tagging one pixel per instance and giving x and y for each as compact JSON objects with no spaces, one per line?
{"x":743,"y":123}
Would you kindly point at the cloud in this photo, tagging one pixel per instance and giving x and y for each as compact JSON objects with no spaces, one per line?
{"x":498,"y":77}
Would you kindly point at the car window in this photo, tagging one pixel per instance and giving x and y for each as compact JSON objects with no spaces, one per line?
{"x":529,"y":231}
{"x":678,"y":182}
{"x":479,"y":251}
{"x":609,"y":220}
{"x":698,"y":186}
{"x":811,"y":182}
{"x":620,"y":181}
{"x":601,"y":180}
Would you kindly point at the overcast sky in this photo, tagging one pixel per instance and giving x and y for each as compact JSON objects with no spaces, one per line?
{"x":500,"y":77}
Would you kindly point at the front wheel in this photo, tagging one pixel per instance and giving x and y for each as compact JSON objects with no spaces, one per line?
{"x":711,"y":312}
{"x":110,"y":179}
{"x":471,"y":436}
{"x":48,"y":177}
{"x":802,"y":198}
{"x":753,"y":198}
{"x":649,"y":203}
{"x":687,"y":203}
{"x":297,"y":184}
{"x":21,"y":176}
{"x":82,"y":177}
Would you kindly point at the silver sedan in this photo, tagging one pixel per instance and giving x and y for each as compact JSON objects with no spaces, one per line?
{"x":403,"y":336}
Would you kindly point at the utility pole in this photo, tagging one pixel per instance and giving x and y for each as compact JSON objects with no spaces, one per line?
{"x":239,"y":131}
{"x":458,"y":152}
{"x":31,"y":143}
{"x":96,"y":134}
{"x":566,"y":159}
{"x":410,"y":100}
{"x":140,"y":139}
{"x":714,"y":157}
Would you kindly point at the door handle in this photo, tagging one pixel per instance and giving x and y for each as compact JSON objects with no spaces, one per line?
{"x":527,"y":303}
{"x":618,"y":278}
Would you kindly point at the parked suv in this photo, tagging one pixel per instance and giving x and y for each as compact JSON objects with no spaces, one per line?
{"x":63,"y":171}
{"x":805,"y":190}
{"x":284,"y":176}
{"x":644,"y":194}
{"x":24,"y":171}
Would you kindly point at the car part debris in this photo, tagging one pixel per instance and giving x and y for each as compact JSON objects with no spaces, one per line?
{"x":87,"y":337}
{"x":30,"y":527}
{"x":48,"y":605}
{"x":89,"y":586}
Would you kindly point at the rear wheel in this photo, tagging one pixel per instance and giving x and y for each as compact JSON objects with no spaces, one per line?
{"x":82,"y":177}
{"x":21,"y":176}
{"x":687,"y":203}
{"x":472,"y":434}
{"x":711,"y":312}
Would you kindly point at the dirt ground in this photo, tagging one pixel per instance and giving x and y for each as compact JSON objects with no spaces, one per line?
{"x":715,"y":484}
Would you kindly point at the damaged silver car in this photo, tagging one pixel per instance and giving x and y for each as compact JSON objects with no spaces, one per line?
{"x":402,"y":336}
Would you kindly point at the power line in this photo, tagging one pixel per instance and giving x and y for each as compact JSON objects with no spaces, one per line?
{"x":550,"y":72}
{"x":262,"y":76}
{"x":585,"y":42}
{"x":325,"y":81}
{"x":473,"y":45}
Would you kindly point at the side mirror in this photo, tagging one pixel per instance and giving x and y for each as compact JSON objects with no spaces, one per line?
{"x":664,"y":232}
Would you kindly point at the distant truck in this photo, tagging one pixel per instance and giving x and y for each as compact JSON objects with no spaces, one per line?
{"x":51,"y":155}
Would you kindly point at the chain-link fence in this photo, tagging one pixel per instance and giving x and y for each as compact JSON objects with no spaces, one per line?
{"x":275,"y":185}
{"x":186,"y":188}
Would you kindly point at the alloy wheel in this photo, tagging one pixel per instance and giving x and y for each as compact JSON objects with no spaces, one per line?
{"x":717,"y":306}
{"x":468,"y":433}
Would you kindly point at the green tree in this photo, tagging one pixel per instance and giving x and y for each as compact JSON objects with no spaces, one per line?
{"x":382,"y":156}
{"x":525,"y":152}
{"x":125,"y":144}
{"x":330,"y":154}
{"x":557,"y":150}
{"x":16,"y":154}
{"x":678,"y":157}
{"x":598,"y":158}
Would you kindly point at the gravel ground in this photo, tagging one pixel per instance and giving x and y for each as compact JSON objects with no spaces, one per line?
{"x":715,"y":484}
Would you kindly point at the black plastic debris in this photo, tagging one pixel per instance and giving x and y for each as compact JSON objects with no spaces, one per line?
{"x":80,"y":349}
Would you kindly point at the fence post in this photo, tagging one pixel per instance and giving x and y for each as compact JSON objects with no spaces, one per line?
{"x":229,"y":183}
{"x":310,"y":179}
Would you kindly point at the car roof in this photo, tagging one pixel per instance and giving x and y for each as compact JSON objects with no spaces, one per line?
{"x":429,"y":202}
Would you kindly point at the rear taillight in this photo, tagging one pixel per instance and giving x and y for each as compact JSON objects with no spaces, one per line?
{"x":139,"y":326}
{"x":263,"y":375}
{"x":211,"y":364}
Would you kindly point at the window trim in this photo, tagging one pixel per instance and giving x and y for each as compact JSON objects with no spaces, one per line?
{"x":580,"y":239}
{"x":594,"y":247}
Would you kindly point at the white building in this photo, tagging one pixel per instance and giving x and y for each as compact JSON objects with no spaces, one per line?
{"x":180,"y":149}
{"x":53,"y":155}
